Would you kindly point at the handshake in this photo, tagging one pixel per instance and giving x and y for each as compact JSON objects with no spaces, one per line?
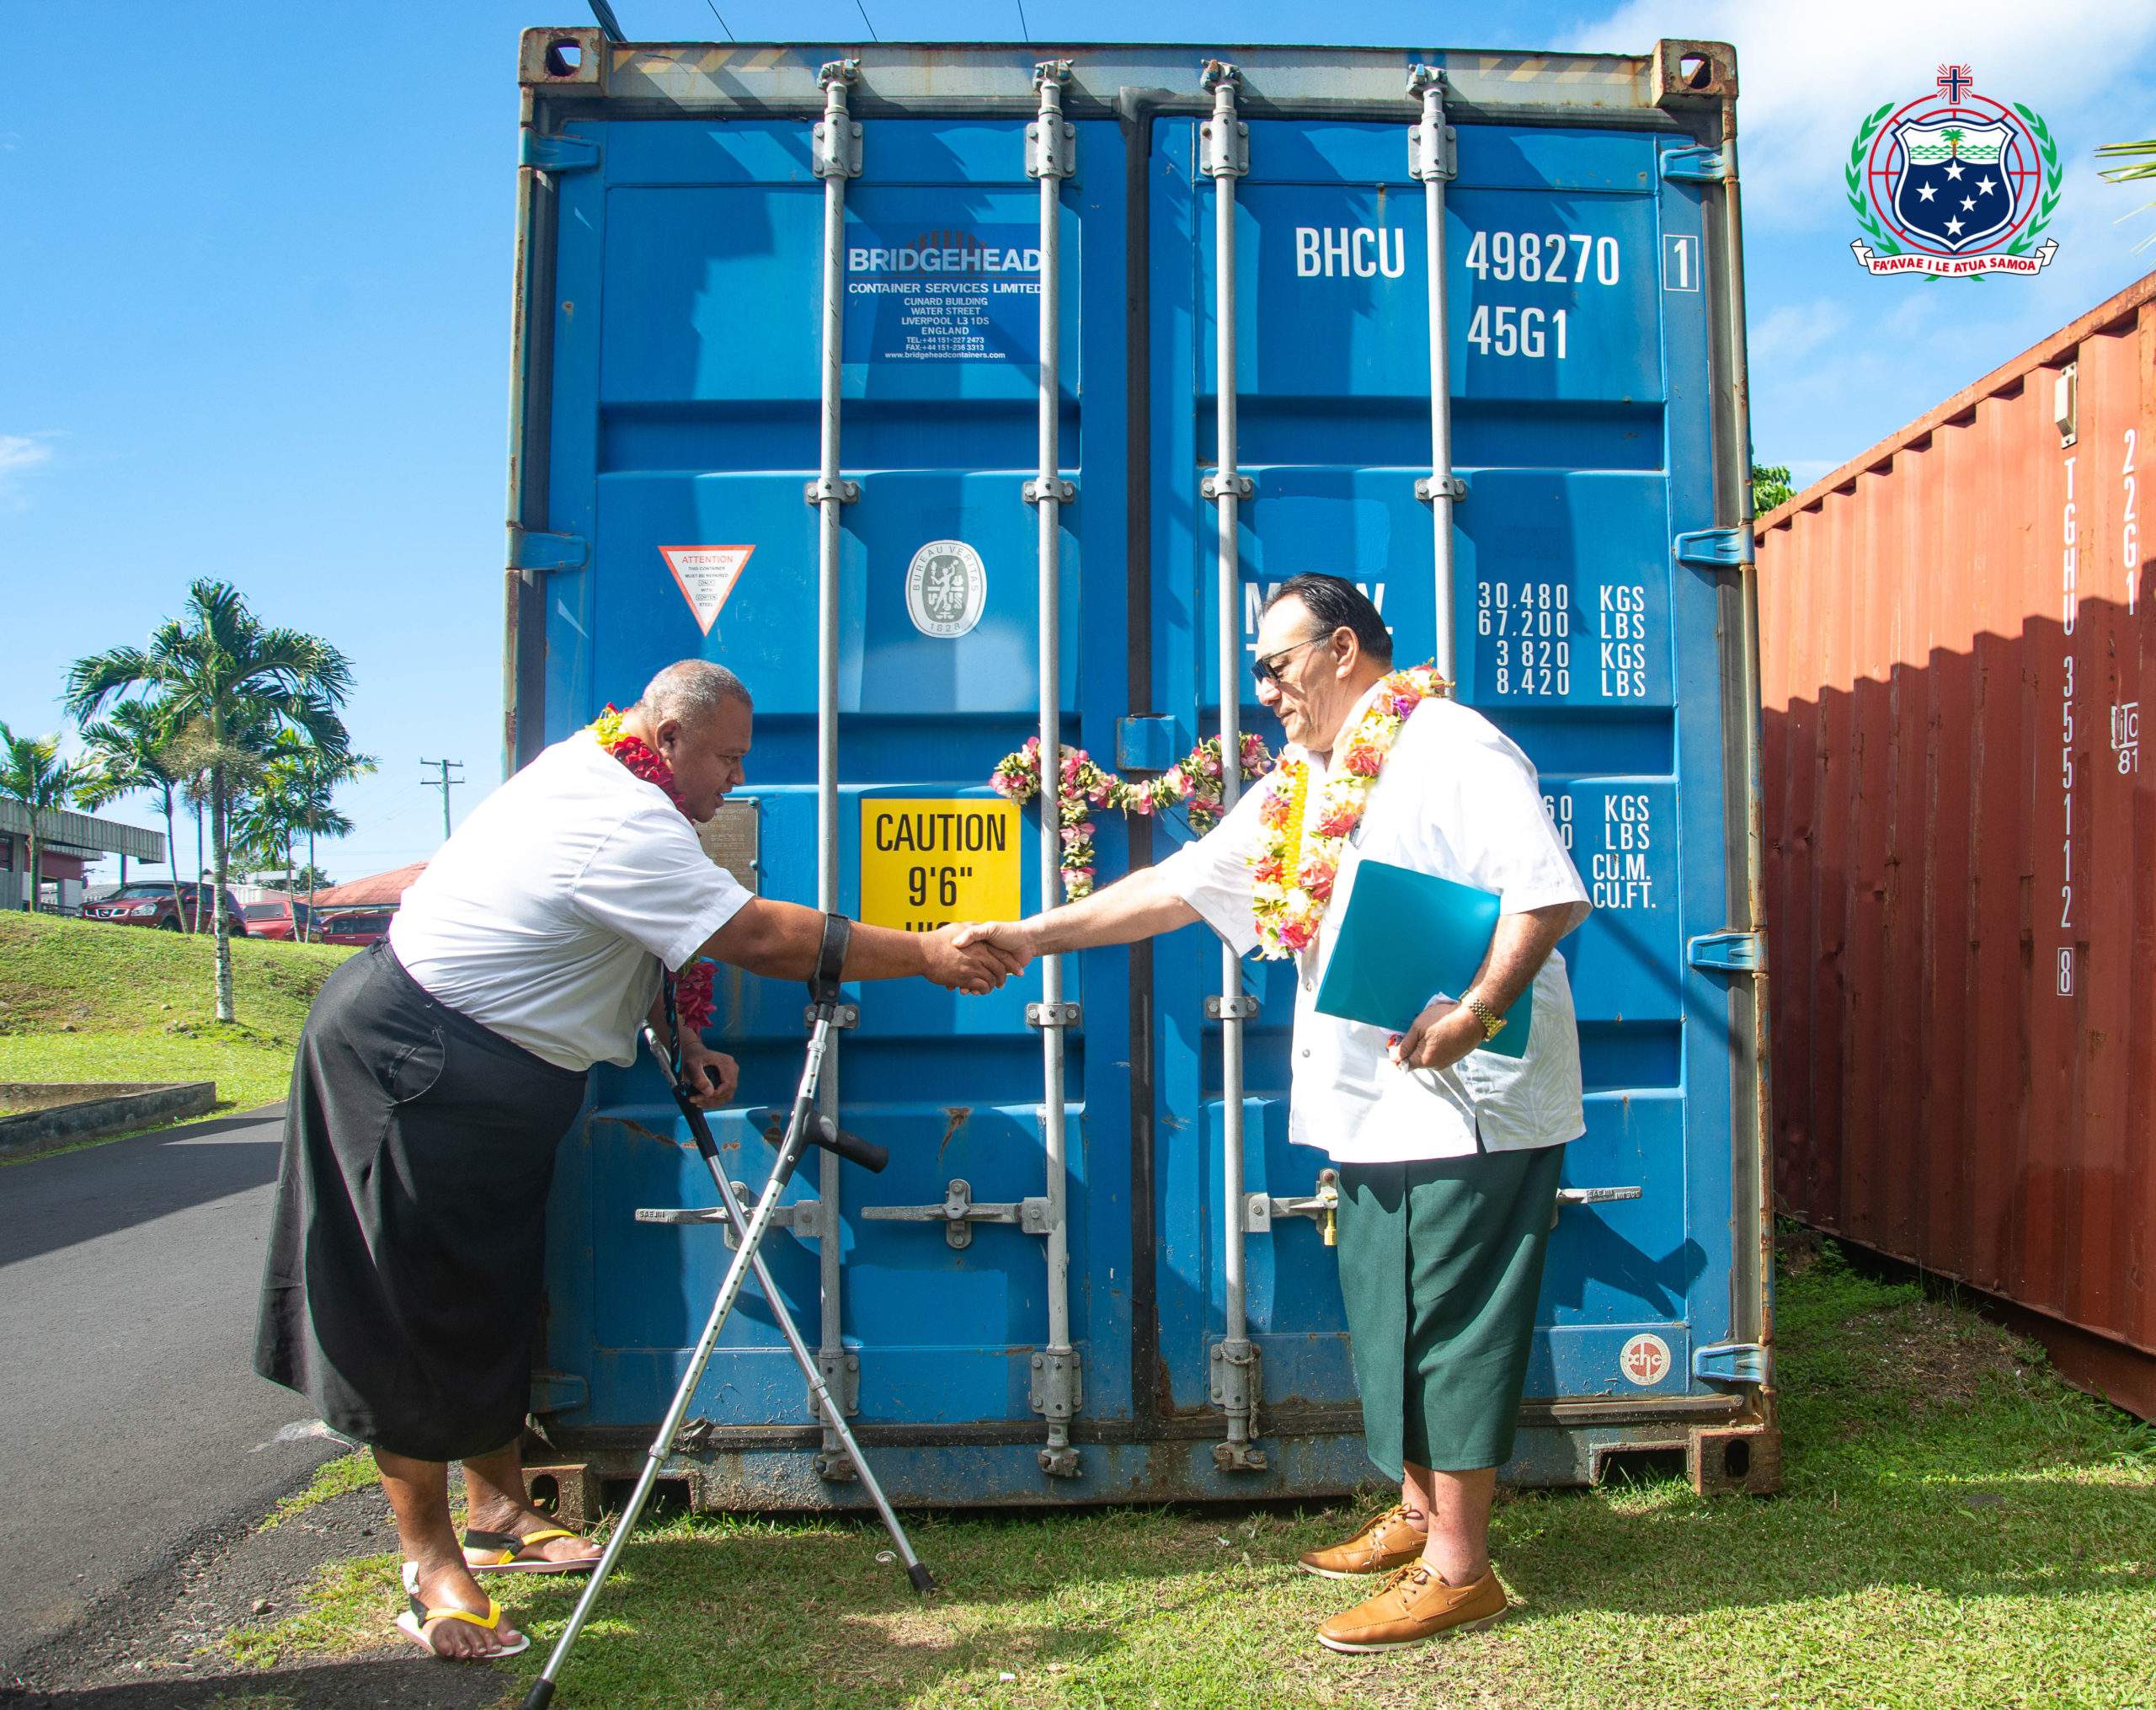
{"x":976,"y":957}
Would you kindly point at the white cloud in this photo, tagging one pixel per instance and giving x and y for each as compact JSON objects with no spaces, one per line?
{"x":1792,"y":332}
{"x":1808,"y":75}
{"x":20,"y":454}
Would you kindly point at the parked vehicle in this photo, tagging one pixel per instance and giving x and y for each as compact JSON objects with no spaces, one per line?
{"x":150,"y":904}
{"x":359,"y":927}
{"x":1062,"y":1288}
{"x":279,"y":918}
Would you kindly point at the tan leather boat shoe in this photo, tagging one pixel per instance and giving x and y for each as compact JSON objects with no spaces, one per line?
{"x":1415,"y":1604}
{"x":1385,"y":1543}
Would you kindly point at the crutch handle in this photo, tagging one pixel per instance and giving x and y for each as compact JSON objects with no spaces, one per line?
{"x":852,"y":1147}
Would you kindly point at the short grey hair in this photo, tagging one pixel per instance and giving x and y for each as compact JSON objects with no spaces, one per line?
{"x":690,"y":691}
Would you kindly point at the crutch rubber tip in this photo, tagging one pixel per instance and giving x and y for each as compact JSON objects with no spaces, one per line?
{"x":541,"y":1695}
{"x":923,"y":1582}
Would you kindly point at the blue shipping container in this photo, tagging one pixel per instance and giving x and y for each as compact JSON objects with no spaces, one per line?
{"x":809,"y":339}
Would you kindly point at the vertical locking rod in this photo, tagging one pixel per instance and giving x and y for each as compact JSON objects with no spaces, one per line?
{"x":1048,"y":158}
{"x":1430,"y":159}
{"x":836,"y":155}
{"x":1225,"y":157}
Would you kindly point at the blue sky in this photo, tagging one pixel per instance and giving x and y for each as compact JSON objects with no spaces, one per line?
{"x":254,"y":323}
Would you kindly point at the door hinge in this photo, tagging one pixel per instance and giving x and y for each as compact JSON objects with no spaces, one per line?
{"x":1427,"y":488}
{"x":1719,"y":548}
{"x":1695,"y":166}
{"x":557,"y":154}
{"x":530,"y":551}
{"x":1733,"y":1362}
{"x":1062,"y":492}
{"x":1732,"y":953}
{"x":1055,"y":1014}
{"x":816,"y":491}
{"x":1235,"y":486}
{"x":1240,"y":1008}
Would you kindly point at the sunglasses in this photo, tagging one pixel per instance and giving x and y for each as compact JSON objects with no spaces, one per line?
{"x":1267,"y":669}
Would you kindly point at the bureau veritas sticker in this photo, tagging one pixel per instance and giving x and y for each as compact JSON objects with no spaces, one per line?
{"x":706,"y":575}
{"x":1645,"y":1360}
{"x":1954,"y":183}
{"x":947,"y":586}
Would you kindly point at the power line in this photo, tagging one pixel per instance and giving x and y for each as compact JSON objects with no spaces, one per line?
{"x":1023,"y":29}
{"x":722,"y":22}
{"x":863,"y":10}
{"x":607,"y":22}
{"x":443,"y":783}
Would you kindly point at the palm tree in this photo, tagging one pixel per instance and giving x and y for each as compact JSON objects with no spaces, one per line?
{"x":221,"y":665}
{"x":322,"y":771}
{"x":32,"y":773}
{"x":294,"y":797}
{"x":2138,"y":160}
{"x":131,"y":751}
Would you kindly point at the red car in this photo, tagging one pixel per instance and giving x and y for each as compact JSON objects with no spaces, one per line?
{"x":276,"y":920}
{"x":317,"y":926}
{"x":151,"y":904}
{"x":359,"y":927}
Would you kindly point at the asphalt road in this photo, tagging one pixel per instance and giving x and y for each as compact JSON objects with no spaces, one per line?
{"x":131,"y":1423}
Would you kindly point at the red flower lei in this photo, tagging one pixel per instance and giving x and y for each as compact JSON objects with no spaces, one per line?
{"x":691,"y":987}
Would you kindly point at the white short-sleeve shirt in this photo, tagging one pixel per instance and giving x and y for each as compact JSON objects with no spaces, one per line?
{"x":1456,"y":799}
{"x":547,"y":916}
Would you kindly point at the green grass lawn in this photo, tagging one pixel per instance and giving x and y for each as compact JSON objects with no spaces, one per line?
{"x":1958,"y":1528}
{"x":85,"y":1000}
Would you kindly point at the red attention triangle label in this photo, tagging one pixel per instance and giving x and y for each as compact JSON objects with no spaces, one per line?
{"x":706,"y":575}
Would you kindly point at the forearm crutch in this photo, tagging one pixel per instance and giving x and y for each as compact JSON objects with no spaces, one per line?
{"x":804,"y":1128}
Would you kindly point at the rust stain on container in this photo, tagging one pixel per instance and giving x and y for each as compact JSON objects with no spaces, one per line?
{"x":1961,"y":842}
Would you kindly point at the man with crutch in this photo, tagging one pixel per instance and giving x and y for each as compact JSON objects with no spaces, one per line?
{"x":437,"y":1074}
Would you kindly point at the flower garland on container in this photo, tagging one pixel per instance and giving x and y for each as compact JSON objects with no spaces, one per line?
{"x":1194,"y":782}
{"x":1291,"y":879}
{"x":691,"y":987}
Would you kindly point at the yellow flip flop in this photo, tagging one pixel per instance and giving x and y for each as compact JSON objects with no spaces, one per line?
{"x":412,"y":1624}
{"x":502,"y":1552}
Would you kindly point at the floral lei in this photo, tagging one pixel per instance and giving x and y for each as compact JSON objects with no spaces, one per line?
{"x":691,"y":987}
{"x":1291,"y":879}
{"x":1194,"y":780}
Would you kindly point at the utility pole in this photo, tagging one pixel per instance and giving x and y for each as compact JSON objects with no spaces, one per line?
{"x":442,"y":783}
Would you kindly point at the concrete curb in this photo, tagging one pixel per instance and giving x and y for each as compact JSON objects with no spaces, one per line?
{"x":100,"y":1109}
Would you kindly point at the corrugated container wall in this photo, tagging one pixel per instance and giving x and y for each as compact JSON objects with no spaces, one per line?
{"x":949,"y":393}
{"x":1961,"y":891}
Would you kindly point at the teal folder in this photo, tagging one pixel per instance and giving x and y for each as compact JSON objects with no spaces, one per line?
{"x":1406,"y":937}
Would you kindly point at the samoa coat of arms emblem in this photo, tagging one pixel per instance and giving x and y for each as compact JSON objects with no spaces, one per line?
{"x":1954,"y":183}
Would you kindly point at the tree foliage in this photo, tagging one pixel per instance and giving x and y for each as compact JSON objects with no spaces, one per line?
{"x":33,"y":774}
{"x":230,"y":683}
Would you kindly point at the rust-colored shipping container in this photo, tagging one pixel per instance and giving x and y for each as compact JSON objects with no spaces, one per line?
{"x":1961,"y":844}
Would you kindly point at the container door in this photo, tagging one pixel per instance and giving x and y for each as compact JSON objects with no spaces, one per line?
{"x":685,"y":427}
{"x":1584,"y":451}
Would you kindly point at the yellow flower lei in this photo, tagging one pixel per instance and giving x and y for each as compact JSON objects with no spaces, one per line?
{"x":1297,"y":860}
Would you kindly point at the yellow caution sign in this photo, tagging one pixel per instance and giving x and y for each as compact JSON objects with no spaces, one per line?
{"x":925,"y":863}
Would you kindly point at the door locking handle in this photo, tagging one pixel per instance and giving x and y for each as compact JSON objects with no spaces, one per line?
{"x":1322,"y":1208}
{"x":959,"y":1211}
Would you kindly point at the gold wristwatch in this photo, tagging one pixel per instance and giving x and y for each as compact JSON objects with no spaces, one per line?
{"x":1492,"y":1023}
